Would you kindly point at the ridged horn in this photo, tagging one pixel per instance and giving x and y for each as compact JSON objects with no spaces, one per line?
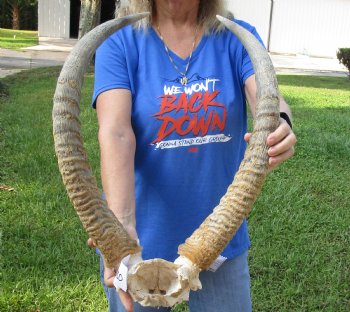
{"x":99,"y":221}
{"x":209,"y":240}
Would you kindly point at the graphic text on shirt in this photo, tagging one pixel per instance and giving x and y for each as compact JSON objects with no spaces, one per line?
{"x":190,"y":115}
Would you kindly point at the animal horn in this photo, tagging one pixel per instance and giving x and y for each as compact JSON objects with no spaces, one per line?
{"x":99,"y":221}
{"x":209,"y":240}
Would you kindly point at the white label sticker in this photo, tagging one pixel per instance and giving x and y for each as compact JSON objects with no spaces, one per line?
{"x":121,"y":278}
{"x":217,"y":263}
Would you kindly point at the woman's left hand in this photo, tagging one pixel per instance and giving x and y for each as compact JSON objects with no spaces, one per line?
{"x":281,"y":144}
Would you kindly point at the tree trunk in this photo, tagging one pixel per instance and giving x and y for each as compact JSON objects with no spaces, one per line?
{"x":15,"y":15}
{"x":90,"y":14}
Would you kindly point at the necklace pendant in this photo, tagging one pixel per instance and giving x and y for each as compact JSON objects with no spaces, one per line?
{"x":184,"y":80}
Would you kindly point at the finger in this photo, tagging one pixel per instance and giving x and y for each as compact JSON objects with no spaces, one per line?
{"x":277,"y":160}
{"x":247,"y":136}
{"x":126,"y":300}
{"x":91,"y":243}
{"x":108,"y":276}
{"x":279,"y":134}
{"x":109,"y":281}
{"x":287,"y":143}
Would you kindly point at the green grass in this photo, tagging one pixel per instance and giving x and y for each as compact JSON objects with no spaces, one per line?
{"x":16,"y":39}
{"x":300,"y":226}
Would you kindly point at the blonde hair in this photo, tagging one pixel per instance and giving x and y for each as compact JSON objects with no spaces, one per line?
{"x":208,"y":9}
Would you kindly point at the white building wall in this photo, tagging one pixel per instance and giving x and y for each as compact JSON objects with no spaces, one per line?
{"x":311,"y":27}
{"x":255,"y":12}
{"x":54,"y":16}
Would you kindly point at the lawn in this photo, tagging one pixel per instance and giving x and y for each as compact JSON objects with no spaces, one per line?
{"x":16,"y":39}
{"x":300,"y":226}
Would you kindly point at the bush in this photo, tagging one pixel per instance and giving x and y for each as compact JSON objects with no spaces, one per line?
{"x":3,"y":90}
{"x":343,"y":56}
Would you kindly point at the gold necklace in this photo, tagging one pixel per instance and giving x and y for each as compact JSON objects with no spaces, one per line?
{"x":184,"y":78}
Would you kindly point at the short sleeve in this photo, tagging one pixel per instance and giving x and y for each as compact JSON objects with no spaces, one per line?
{"x":111,"y":70}
{"x":247,"y":66}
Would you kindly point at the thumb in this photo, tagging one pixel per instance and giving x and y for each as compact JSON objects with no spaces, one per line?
{"x":91,"y":243}
{"x":247,"y":137}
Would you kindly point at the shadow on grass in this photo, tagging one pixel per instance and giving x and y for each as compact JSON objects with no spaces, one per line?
{"x":339,"y":83}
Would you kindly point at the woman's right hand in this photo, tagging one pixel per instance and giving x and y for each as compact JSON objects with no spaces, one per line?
{"x":125,"y":298}
{"x":109,"y":274}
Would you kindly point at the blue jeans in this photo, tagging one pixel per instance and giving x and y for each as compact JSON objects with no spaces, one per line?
{"x":226,"y":290}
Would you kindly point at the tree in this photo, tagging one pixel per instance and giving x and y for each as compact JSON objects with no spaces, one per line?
{"x":90,"y":14}
{"x":16,"y":6}
{"x":15,"y":14}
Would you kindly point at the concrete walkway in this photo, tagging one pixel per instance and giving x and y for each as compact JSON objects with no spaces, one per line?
{"x":12,"y":61}
{"x":306,"y":65}
{"x":54,"y":52}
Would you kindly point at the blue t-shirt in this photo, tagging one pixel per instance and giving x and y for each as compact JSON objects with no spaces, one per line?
{"x":189,"y":139}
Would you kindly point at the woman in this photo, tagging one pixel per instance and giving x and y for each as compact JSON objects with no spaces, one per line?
{"x":170,"y":96}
